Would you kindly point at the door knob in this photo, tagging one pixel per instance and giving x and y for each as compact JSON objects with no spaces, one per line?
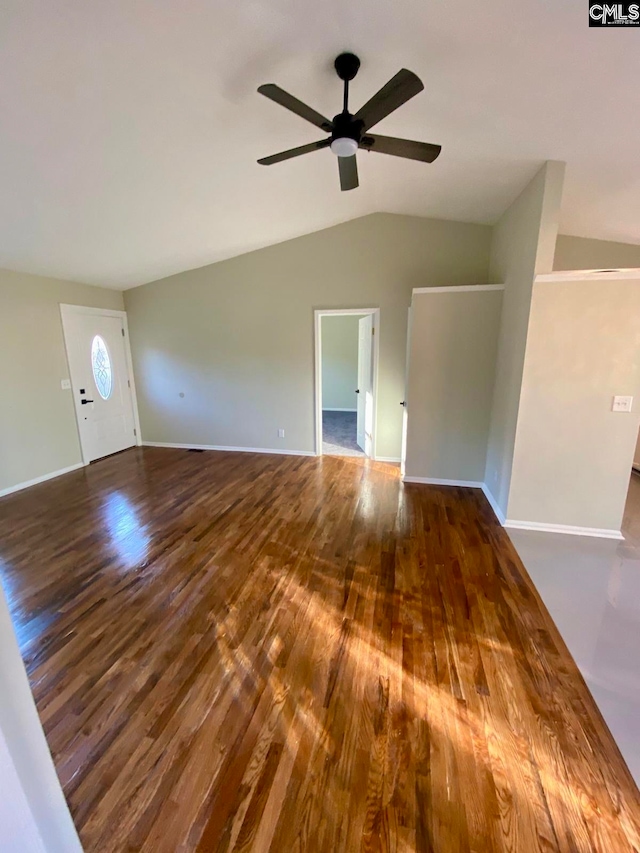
{"x":403,"y":402}
{"x":84,"y":402}
{"x":357,"y":390}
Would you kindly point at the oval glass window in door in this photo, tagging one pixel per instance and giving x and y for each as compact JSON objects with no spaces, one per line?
{"x":101,"y":366}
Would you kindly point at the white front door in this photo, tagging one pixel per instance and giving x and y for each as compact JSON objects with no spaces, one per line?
{"x":364,"y":432}
{"x":100,"y":381}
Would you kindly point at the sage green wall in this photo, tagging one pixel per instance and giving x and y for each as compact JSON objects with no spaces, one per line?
{"x":236,"y":337}
{"x":339,"y":362}
{"x":523,"y":245}
{"x":38,"y":431}
{"x":579,"y":253}
{"x":454,"y":338}
{"x":573,"y":455}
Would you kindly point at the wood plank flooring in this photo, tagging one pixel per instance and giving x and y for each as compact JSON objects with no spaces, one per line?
{"x":244,"y":652}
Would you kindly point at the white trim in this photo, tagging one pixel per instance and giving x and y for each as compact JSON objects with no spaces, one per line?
{"x":339,"y":311}
{"x":66,"y":310}
{"x":318,"y":314}
{"x":589,"y":275}
{"x":224,"y":447}
{"x":460,"y":288}
{"x":437,"y":481}
{"x":86,"y":309}
{"x":494,"y":504}
{"x":132,"y":387}
{"x":227,"y":448}
{"x":569,"y":529}
{"x":325,"y":409}
{"x":19,"y":486}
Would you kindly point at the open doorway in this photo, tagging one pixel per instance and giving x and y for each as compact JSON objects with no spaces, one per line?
{"x":346,"y":355}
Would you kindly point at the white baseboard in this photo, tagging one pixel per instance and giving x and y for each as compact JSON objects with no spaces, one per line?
{"x":387,"y":459}
{"x":436,"y":481}
{"x":19,"y":486}
{"x":339,"y":410}
{"x":228,"y":448}
{"x":567,"y":529}
{"x":494,"y":504}
{"x":542,"y":527}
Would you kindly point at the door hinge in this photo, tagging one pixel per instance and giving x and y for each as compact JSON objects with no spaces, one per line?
{"x":135,"y":432}
{"x":122,"y":330}
{"x":129,"y":383}
{"x":373,"y":331}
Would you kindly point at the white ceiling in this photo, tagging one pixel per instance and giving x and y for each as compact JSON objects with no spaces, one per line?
{"x":129,"y":130}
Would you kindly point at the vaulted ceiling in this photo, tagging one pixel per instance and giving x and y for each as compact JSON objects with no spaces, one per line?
{"x":129,"y":131}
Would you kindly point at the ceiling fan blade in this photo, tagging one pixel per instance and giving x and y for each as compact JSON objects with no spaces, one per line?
{"x":396,"y":92}
{"x":295,"y":152}
{"x":275,"y":93}
{"x":348,"y":172}
{"x":424,"y":151}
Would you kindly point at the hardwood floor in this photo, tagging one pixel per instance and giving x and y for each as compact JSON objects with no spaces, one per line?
{"x":239,"y":652}
{"x":631,"y":520}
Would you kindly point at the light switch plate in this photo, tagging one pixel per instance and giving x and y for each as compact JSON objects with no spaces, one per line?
{"x":65,"y":384}
{"x":622,"y":404}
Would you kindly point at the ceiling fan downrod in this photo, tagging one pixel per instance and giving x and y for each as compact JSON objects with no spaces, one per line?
{"x":347,"y":66}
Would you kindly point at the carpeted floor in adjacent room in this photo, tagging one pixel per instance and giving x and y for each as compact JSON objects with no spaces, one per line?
{"x":339,"y":434}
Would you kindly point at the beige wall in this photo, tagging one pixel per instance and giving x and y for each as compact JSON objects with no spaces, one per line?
{"x":578,"y":253}
{"x":636,"y":455}
{"x":573,"y":454}
{"x":454,"y":338}
{"x":523,"y":245}
{"x":236,"y":337}
{"x":339,"y":362}
{"x":38,"y":431}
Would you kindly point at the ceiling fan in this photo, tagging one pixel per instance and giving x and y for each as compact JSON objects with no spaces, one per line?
{"x":350,"y":132}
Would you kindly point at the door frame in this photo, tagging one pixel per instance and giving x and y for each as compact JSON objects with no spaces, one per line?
{"x":66,"y":311}
{"x":318,"y":314}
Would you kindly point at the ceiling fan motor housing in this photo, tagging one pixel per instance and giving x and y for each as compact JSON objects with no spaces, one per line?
{"x":344,"y":125}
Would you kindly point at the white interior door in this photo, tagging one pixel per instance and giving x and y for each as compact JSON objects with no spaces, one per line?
{"x":100,"y":382}
{"x":405,"y":403}
{"x":364,"y":436}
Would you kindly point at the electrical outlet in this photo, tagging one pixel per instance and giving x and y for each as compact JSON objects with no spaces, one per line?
{"x":65,"y":384}
{"x":622,"y":404}
{"x":280,"y":433}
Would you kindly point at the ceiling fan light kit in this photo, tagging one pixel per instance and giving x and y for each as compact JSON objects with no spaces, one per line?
{"x":343,"y":146}
{"x":349,"y":132}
